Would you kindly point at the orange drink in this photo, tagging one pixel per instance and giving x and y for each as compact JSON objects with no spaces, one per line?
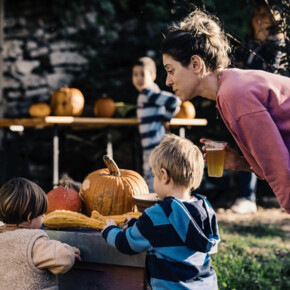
{"x":215,"y":156}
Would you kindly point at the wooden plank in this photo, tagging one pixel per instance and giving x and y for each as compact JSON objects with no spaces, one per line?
{"x":25,"y":122}
{"x":90,"y":122}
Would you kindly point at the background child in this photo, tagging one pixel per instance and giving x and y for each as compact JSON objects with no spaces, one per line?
{"x":154,"y":108}
{"x":28,"y":258}
{"x":179,"y":231}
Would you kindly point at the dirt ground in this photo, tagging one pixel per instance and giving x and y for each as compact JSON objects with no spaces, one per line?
{"x":267,"y":216}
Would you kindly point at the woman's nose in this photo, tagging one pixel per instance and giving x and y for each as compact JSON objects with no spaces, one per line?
{"x":168,"y":81}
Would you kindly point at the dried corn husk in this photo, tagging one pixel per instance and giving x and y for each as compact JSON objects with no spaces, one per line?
{"x":59,"y":219}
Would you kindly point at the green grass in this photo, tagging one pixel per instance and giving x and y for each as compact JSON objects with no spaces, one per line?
{"x":252,"y":257}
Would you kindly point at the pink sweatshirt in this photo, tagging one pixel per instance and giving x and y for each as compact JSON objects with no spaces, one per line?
{"x":255,"y":106}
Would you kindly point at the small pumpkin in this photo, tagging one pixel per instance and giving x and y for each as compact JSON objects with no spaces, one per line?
{"x":64,"y":197}
{"x":39,"y":110}
{"x":187,"y":111}
{"x":67,"y":102}
{"x":110,"y":191}
{"x":104,"y":107}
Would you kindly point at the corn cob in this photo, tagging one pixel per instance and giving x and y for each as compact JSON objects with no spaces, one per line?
{"x":118,"y":218}
{"x":65,"y":219}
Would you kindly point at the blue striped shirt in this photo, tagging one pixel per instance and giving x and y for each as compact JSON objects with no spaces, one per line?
{"x":153,"y":108}
{"x":178,"y":237}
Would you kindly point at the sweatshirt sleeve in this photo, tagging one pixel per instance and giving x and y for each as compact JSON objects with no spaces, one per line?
{"x":169,"y":101}
{"x":132,"y":240}
{"x":263,"y":143}
{"x":53,"y":255}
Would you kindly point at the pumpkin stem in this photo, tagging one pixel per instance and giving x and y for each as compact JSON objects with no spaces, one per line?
{"x":65,"y":182}
{"x":112,"y":166}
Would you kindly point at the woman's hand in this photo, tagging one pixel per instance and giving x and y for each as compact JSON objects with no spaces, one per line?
{"x":110,"y":222}
{"x":233,"y":161}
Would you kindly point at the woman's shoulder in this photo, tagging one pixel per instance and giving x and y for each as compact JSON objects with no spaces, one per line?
{"x":241,"y":82}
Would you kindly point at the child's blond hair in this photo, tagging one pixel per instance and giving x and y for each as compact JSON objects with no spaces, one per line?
{"x":181,"y":158}
{"x":20,"y":200}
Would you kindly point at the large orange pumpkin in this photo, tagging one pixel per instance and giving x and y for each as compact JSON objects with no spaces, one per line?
{"x":110,"y":190}
{"x":104,"y":107}
{"x":67,"y":102}
{"x":187,"y":111}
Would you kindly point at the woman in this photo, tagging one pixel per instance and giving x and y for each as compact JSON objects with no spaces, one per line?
{"x":254,"y":105}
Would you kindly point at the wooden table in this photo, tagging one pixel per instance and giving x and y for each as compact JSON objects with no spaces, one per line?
{"x":102,"y":266}
{"x":85,"y":123}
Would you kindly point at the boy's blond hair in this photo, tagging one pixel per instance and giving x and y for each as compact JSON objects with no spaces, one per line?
{"x":148,"y":63}
{"x":182,"y":160}
{"x":21,"y":199}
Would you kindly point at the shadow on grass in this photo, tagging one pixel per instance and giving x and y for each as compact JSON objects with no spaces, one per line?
{"x":258,"y":231}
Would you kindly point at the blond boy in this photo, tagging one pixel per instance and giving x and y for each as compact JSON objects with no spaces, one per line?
{"x":180,"y":230}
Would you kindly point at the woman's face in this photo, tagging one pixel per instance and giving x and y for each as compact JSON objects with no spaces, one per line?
{"x":261,"y":21}
{"x":182,"y":79}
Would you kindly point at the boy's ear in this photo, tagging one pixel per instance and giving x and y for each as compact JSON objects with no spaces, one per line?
{"x":153,"y":76}
{"x":29,"y":217}
{"x":165,"y":176}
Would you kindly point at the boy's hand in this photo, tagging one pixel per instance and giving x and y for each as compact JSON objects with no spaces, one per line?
{"x":109,"y":222}
{"x":124,"y":224}
{"x":77,"y":253}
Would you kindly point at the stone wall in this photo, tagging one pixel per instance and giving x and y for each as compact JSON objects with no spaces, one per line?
{"x":39,"y":56}
{"x":35,"y":60}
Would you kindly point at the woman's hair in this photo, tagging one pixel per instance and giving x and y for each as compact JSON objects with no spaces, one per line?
{"x":198,"y":34}
{"x":20,"y":197}
{"x":182,"y":160}
{"x":148,"y":63}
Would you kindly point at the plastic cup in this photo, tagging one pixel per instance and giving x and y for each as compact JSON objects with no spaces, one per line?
{"x":215,"y":157}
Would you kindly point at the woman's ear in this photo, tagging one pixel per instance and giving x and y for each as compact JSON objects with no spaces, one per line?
{"x":196,"y":63}
{"x":165,"y":176}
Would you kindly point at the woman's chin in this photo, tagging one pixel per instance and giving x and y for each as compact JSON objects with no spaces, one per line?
{"x":183,"y":98}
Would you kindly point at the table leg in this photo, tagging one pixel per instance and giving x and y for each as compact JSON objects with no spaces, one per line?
{"x":182,"y":132}
{"x":109,"y":143}
{"x":55,"y":179}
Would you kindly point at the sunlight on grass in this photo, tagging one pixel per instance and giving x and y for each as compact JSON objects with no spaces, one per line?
{"x":252,"y":257}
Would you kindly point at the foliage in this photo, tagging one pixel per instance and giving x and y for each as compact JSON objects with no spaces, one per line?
{"x":113,"y":34}
{"x":252,"y":257}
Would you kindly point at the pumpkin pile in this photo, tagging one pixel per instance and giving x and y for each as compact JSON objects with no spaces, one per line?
{"x":105,"y":194}
{"x":110,"y":191}
{"x":64,"y":102}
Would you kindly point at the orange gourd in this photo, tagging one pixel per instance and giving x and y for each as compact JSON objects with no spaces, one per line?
{"x":39,"y":110}
{"x":104,"y":107}
{"x":187,"y":111}
{"x":64,"y":197}
{"x":110,"y":190}
{"x":67,"y":102}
